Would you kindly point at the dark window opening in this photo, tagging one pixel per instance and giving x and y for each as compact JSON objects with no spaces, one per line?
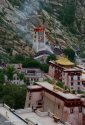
{"x":71,"y":110}
{"x":80,"y":109}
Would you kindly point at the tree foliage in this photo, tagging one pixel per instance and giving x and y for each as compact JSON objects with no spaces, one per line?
{"x":13,"y":95}
{"x":32,"y":63}
{"x":44,"y":67}
{"x":2,"y":79}
{"x":51,"y":57}
{"x":70,"y":54}
{"x":60,"y":84}
{"x":18,"y":58}
{"x":10,"y":71}
{"x":21,"y":76}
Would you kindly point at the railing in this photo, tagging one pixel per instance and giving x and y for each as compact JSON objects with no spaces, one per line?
{"x":7,"y":107}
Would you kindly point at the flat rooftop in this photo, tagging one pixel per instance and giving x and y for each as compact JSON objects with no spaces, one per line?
{"x":49,"y":86}
{"x":8,"y":118}
{"x":81,"y":66}
{"x":4,"y":121}
{"x":36,"y":119}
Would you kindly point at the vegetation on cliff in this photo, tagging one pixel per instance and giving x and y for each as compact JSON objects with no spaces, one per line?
{"x":16,"y":2}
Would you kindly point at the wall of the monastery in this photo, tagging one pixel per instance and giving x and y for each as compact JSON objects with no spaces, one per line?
{"x":83,"y":110}
{"x":35,"y":96}
{"x":74,"y":118}
{"x":65,"y":78}
{"x":56,"y":106}
{"x":68,"y":81}
{"x":75,"y":82}
{"x":51,"y":71}
{"x":53,"y":105}
{"x":83,"y":86}
{"x":83,"y":116}
{"x":83,"y":119}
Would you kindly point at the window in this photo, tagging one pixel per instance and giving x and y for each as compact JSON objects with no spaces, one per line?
{"x":71,"y":78}
{"x":83,"y":84}
{"x":58,"y":106}
{"x":71,"y":110}
{"x":28,"y":105}
{"x":78,"y":83}
{"x":78,"y":77}
{"x":80,"y":109}
{"x":71,"y":83}
{"x":78,"y":88}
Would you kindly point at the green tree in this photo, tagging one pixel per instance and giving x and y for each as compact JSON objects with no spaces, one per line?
{"x":31,"y":63}
{"x":44,"y":67}
{"x":70,"y":54}
{"x":18,"y":58}
{"x":51,"y":57}
{"x":13,"y":95}
{"x":10,"y":71}
{"x":21,"y":76}
{"x":9,"y":100}
{"x":2,"y":79}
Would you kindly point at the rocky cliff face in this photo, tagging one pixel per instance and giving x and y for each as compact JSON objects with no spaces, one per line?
{"x":64,"y":21}
{"x":12,"y":31}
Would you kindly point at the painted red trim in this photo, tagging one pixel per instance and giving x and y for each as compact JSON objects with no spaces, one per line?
{"x":39,"y":29}
{"x":67,"y":102}
{"x":35,"y":90}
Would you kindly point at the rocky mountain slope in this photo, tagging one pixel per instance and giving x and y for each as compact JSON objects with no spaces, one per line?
{"x":64,"y":21}
{"x":11,"y":41}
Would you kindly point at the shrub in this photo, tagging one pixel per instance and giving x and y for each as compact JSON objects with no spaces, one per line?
{"x":69,"y":53}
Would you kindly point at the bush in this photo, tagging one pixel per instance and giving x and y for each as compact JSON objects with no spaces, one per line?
{"x":2,"y":79}
{"x":60,"y":84}
{"x":70,"y":54}
{"x":51,"y":57}
{"x":65,"y":88}
{"x":44,"y":67}
{"x":13,"y":95}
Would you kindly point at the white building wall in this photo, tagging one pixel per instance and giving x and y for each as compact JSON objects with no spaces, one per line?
{"x":15,"y":80}
{"x":51,"y":71}
{"x":18,"y":82}
{"x":68,"y":82}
